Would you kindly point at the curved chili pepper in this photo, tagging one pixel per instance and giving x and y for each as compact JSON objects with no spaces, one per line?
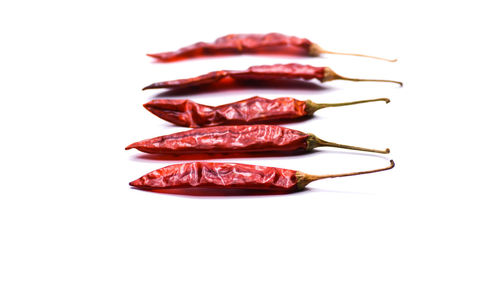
{"x":249,"y":111}
{"x":232,"y":176}
{"x":244,"y":138}
{"x":263,"y":72}
{"x":250,"y":43}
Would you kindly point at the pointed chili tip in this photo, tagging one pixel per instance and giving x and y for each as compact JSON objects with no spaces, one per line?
{"x":137,"y":184}
{"x":131,"y":146}
{"x":152,"y":86}
{"x":156,"y":56}
{"x":149,"y":106}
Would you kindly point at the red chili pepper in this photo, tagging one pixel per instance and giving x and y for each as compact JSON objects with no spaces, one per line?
{"x":243,"y":138}
{"x":249,"y":111}
{"x":251,"y":43}
{"x":263,"y":72}
{"x":239,"y":139}
{"x":232,"y":176}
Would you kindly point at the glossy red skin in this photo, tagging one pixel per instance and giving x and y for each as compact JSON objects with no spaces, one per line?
{"x":218,"y":175}
{"x":250,"y":111}
{"x":226,"y":139}
{"x":234,"y":44}
{"x":260,"y":72}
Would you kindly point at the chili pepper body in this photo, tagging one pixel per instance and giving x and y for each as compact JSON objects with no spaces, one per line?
{"x":262,"y":72}
{"x":252,"y":43}
{"x":237,"y":139}
{"x":280,"y":71}
{"x":249,"y":111}
{"x":231,"y":176}
{"x":218,"y":175}
{"x":226,"y":139}
{"x":239,"y":43}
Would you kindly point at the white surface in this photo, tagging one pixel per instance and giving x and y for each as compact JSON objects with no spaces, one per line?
{"x":71,"y":101}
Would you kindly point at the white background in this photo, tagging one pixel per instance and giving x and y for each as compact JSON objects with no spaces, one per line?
{"x":71,"y":79}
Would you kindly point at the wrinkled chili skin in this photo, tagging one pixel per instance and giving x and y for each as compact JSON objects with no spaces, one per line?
{"x":260,"y":72}
{"x":281,"y":71}
{"x":226,"y":139}
{"x":249,"y":111}
{"x":204,"y":79}
{"x":218,"y":175}
{"x":234,"y":44}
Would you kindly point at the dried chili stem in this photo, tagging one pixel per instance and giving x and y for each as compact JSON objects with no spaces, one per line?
{"x":312,"y":107}
{"x":330,"y":75}
{"x":358,"y":55}
{"x":315,"y":49}
{"x":313,"y":142}
{"x":304,"y":179}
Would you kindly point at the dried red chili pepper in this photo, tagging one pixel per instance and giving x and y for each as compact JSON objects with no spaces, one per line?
{"x":240,"y":139}
{"x":251,"y":43}
{"x":249,"y":111}
{"x":232,"y":176}
{"x":263,"y":72}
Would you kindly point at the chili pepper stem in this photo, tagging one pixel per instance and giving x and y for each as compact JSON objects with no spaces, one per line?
{"x":315,"y":50}
{"x":313,"y":142}
{"x":330,"y":75}
{"x":312,"y":107}
{"x":304,"y":179}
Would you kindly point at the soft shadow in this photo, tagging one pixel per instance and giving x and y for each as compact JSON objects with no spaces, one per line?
{"x":205,"y":156}
{"x":230,"y":84}
{"x":221,"y":192}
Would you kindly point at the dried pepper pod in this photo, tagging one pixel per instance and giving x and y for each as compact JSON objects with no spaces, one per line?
{"x":249,"y":111}
{"x":263,"y":72}
{"x":232,"y":176}
{"x":251,"y":43}
{"x":238,"y":139}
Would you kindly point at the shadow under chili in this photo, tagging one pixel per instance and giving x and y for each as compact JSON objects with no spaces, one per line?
{"x":230,"y":84}
{"x":205,"y":156}
{"x":221,"y":192}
